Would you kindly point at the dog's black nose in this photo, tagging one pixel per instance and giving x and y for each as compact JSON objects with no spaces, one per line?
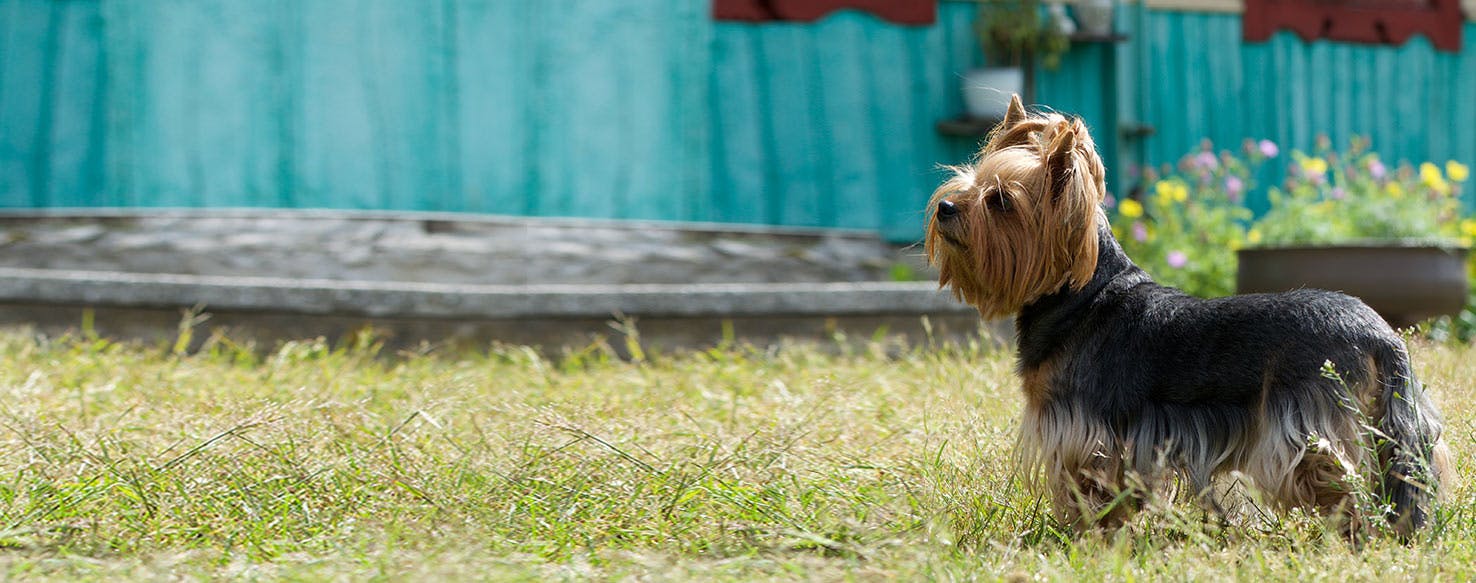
{"x":947,"y":209}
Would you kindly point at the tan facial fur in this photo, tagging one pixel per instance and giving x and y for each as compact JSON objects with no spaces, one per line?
{"x":1028,"y":209}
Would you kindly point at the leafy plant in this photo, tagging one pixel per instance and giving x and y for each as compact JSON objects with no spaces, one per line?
{"x":1011,"y":31}
{"x":1333,"y":196}
{"x":1460,"y":327}
{"x":1186,"y":227}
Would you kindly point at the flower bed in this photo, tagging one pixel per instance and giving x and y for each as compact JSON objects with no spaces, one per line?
{"x":1187,"y":226}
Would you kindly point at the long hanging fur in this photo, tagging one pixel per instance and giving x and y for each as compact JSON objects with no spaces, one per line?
{"x":1129,"y":383}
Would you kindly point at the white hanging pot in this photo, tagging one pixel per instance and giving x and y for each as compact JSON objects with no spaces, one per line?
{"x":1094,"y":16}
{"x":987,"y":92}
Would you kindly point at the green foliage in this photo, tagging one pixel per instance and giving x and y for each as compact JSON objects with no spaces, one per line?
{"x":902,"y":271}
{"x":1012,"y":31}
{"x":1186,"y":228}
{"x":1333,"y":197}
{"x":1460,"y":327}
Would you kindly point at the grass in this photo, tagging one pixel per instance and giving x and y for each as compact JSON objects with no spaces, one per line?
{"x":861,"y":460}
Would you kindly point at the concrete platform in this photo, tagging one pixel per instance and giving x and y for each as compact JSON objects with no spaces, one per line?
{"x":266,"y":310}
{"x":270,"y":275}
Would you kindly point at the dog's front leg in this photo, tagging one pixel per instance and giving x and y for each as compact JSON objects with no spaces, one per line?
{"x":1093,"y":494}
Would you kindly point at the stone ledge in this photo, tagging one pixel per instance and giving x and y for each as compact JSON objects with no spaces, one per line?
{"x":427,"y":300}
{"x":438,"y":247}
{"x":267,"y":276}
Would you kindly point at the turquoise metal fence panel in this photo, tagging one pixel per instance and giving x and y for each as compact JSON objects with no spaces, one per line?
{"x":1200,"y":81}
{"x":595,"y":108}
{"x":629,"y":108}
{"x":198,"y":107}
{"x":831,"y":124}
{"x":1085,"y":85}
{"x":589,"y":108}
{"x":51,"y":103}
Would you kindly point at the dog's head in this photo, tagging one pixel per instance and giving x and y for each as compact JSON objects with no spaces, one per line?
{"x":1021,"y":220}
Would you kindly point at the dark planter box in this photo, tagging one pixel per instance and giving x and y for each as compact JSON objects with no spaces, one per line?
{"x":1406,"y":284}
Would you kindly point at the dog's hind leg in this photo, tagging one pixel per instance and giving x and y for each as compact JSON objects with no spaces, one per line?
{"x":1311,"y":454}
{"x":1414,"y":461}
{"x":1329,"y":484}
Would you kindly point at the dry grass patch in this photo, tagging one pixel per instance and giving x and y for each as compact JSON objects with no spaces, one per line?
{"x":859,"y":460}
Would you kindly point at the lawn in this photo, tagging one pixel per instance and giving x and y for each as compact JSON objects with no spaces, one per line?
{"x":859,"y":459}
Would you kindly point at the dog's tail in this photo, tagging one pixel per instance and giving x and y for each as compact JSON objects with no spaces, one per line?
{"x":1412,"y":458}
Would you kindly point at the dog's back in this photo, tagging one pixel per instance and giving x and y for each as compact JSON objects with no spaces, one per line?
{"x":1308,"y":392}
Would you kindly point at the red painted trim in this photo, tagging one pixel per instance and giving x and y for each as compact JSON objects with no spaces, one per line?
{"x":747,"y":10}
{"x":1363,"y":21}
{"x":897,"y":11}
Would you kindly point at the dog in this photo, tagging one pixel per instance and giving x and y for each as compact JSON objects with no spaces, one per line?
{"x":1131,"y":386}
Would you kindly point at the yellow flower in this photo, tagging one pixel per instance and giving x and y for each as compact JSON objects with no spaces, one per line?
{"x":1468,"y":227}
{"x":1164,"y":191}
{"x":1457,"y":171}
{"x":1394,"y":189}
{"x":1130,"y":208}
{"x":1170,"y":191}
{"x":1253,"y":237}
{"x":1430,"y":174}
{"x":1314,"y":166}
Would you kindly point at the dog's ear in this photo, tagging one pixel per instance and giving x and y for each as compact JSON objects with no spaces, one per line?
{"x":1016,"y":112}
{"x":1013,"y":130}
{"x":1061,"y":156}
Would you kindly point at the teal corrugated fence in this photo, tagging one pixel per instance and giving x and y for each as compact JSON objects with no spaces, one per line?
{"x":629,"y":108}
{"x":1415,"y":103}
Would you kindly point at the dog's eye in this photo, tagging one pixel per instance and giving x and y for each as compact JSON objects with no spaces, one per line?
{"x":999,"y":202}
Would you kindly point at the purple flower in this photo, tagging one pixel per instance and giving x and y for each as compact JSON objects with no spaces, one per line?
{"x":1140,"y":231}
{"x":1338,"y":193}
{"x":1109,"y":201}
{"x":1377,"y":169}
{"x":1268,"y":148}
{"x":1177,"y":259}
{"x":1233,"y":187}
{"x":1207,"y":160}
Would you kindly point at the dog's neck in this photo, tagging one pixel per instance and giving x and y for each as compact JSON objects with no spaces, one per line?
{"x":1043,"y":325}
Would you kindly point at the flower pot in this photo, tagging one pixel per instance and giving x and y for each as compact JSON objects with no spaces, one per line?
{"x":987,"y":92}
{"x":1059,"y":20}
{"x":1405,"y":284}
{"x":1094,"y":17}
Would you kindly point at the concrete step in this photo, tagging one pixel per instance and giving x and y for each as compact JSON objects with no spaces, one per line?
{"x":269,"y":309}
{"x":286,"y":274}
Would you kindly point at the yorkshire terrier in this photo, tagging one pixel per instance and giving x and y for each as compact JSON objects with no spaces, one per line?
{"x":1131,"y":386}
